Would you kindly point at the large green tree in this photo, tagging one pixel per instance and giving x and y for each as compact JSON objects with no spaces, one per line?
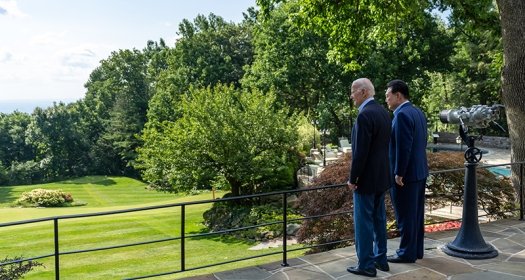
{"x":209,"y":51}
{"x":118,"y":92}
{"x":223,"y":134}
{"x":59,"y":141}
{"x":293,"y":63}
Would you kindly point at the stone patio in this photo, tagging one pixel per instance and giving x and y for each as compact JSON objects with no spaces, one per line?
{"x":507,"y":236}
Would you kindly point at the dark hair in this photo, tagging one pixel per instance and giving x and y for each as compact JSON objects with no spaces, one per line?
{"x":399,"y":86}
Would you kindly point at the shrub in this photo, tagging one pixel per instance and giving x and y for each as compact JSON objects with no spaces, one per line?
{"x":45,"y":198}
{"x":230,"y":215}
{"x":16,"y":270}
{"x":495,"y":195}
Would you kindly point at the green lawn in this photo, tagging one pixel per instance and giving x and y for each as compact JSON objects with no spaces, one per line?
{"x":112,"y":193}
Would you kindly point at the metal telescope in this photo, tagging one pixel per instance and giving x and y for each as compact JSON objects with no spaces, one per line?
{"x":477,"y":116}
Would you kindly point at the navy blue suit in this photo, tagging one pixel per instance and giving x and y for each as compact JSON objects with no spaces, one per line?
{"x":370,"y":171}
{"x":408,"y":159}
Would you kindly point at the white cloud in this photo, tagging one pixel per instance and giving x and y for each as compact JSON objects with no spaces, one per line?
{"x":10,"y":8}
{"x":76,"y":64}
{"x":5,"y":56}
{"x":49,"y":38}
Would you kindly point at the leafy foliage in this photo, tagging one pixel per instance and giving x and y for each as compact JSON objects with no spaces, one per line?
{"x":16,"y":270}
{"x":230,"y":215}
{"x":223,"y":132}
{"x":45,"y":198}
{"x":293,"y":63}
{"x":495,"y":195}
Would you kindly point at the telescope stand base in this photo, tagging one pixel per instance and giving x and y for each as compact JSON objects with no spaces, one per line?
{"x":454,"y":251}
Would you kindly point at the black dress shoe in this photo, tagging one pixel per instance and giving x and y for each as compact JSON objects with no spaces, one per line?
{"x":382,"y":267}
{"x":365,"y":272}
{"x":398,"y":259}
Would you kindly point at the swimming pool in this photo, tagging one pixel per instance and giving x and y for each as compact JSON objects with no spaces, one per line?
{"x":500,"y":171}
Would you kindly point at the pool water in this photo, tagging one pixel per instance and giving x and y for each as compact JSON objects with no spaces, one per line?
{"x":500,"y":171}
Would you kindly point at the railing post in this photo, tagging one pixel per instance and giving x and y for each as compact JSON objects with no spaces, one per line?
{"x":57,"y":252}
{"x":182,"y":237}
{"x":521,"y":191}
{"x":285,"y":225}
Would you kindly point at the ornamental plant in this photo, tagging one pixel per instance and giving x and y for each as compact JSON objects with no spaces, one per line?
{"x":15,"y":269}
{"x":44,"y":198}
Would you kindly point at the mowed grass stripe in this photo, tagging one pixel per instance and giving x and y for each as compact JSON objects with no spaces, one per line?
{"x":114,"y":193}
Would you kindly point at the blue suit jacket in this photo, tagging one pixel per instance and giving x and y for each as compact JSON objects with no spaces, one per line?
{"x":370,"y":169}
{"x":408,"y":144}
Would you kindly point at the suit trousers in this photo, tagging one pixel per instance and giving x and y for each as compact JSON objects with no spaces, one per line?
{"x":370,"y":229}
{"x":409,"y":207}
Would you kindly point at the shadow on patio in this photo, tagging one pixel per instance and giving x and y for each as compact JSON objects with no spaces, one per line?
{"x":507,"y":236}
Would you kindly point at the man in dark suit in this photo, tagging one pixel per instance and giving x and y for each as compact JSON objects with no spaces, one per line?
{"x":408,"y":160}
{"x":370,"y":177}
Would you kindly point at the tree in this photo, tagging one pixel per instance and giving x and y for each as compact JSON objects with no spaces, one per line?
{"x":118,"y":92}
{"x":59,"y":141}
{"x":13,"y":146}
{"x":512,"y":14}
{"x":293,"y":63}
{"x":210,"y":51}
{"x":223,"y":134}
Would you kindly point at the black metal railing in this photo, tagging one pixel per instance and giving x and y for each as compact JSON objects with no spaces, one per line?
{"x":183,"y":236}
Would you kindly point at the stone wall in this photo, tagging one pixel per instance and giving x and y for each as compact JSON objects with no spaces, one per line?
{"x":486,"y":141}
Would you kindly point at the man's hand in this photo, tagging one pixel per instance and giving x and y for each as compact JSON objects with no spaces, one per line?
{"x":399,"y":181}
{"x":352,"y":187}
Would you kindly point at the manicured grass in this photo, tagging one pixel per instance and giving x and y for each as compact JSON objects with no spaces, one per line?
{"x":111,"y":193}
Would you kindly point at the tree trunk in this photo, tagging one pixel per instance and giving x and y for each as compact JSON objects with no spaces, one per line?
{"x":512,"y":14}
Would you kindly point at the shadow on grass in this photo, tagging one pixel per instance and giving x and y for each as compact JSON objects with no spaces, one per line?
{"x":94,"y":180}
{"x":227,"y":238}
{"x":5,"y":194}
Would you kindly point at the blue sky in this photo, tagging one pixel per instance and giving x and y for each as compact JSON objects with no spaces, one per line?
{"x":48,"y":48}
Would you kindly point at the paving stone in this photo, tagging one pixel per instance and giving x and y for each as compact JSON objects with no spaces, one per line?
{"x":519,"y":257}
{"x":396,"y":268}
{"x":278,"y":265}
{"x":492,"y":227}
{"x":508,"y":222}
{"x":442,"y":235}
{"x":446,"y":266}
{"x":418,"y":274}
{"x":485,"y":275}
{"x":306,"y":273}
{"x":337,"y":268}
{"x":252,"y":273}
{"x":518,"y":238}
{"x":510,"y":231}
{"x":432,"y":244}
{"x":320,"y":258}
{"x":513,"y":268}
{"x":507,"y":246}
{"x":489,"y":236}
{"x":500,"y":258}
{"x":345,"y":252}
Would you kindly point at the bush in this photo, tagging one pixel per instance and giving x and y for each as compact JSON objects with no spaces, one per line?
{"x":229,"y":215}
{"x":16,"y":270}
{"x":45,"y":198}
{"x":496,"y":196}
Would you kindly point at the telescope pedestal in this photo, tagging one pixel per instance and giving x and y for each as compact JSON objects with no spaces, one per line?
{"x":469,"y":243}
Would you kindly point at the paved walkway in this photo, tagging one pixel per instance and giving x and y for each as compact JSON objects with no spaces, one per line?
{"x":507,"y":236}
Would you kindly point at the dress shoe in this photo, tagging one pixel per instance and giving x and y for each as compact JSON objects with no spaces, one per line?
{"x":364,"y":272}
{"x":398,"y":259}
{"x":382,"y":267}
